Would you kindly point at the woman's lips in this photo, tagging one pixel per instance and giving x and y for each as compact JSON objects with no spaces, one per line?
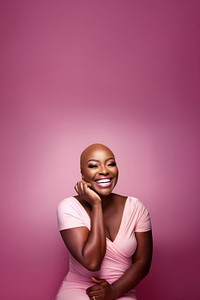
{"x":104,"y":182}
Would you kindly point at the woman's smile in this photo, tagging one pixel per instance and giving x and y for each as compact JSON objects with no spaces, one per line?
{"x":104,"y":182}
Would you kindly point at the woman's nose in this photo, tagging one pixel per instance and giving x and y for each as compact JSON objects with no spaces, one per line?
{"x":103,"y":170}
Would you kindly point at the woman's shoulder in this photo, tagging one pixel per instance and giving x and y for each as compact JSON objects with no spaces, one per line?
{"x":132,"y":204}
{"x":136,"y":202}
{"x":70,"y":201}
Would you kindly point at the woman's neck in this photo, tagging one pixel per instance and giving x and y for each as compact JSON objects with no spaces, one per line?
{"x":107,"y":200}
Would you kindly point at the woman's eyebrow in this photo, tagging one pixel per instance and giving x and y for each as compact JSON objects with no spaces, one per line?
{"x":92,"y":160}
{"x":96,"y":160}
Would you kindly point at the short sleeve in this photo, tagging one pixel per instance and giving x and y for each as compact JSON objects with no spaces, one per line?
{"x":143,"y":222}
{"x":69,"y":214}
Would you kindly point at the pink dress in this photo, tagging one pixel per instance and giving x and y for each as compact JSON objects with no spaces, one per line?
{"x":118,"y":255}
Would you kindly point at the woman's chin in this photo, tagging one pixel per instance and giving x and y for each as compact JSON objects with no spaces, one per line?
{"x":104,"y":192}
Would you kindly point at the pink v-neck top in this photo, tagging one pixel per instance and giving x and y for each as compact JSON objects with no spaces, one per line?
{"x":118,"y":257}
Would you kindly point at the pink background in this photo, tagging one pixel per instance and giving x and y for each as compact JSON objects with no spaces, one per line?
{"x":124,"y":73}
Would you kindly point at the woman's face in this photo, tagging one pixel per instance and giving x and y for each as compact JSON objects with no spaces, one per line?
{"x":98,"y":167}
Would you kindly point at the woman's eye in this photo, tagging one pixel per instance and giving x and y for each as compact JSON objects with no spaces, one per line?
{"x":92,"y":166}
{"x":112,"y":164}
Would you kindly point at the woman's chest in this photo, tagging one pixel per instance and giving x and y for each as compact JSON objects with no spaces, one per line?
{"x":113,"y":220}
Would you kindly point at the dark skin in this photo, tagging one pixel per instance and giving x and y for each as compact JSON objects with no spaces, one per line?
{"x":105,"y":210}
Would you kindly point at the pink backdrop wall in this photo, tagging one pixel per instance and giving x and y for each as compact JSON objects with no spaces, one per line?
{"x":124,"y":73}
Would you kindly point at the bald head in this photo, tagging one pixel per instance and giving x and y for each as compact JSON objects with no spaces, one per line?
{"x":92,"y":152}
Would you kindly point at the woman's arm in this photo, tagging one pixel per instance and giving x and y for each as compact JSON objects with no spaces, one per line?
{"x":140,"y":267}
{"x":134,"y":274}
{"x":88,"y":247}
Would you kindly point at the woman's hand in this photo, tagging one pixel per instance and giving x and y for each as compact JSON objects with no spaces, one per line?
{"x":102,"y":290}
{"x":84,"y":190}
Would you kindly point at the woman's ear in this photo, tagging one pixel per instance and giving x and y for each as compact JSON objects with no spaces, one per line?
{"x":82,"y":176}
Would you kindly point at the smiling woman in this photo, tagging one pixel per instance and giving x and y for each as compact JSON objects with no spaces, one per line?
{"x":108,"y":235}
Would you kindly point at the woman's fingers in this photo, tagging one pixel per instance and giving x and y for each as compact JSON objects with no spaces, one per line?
{"x":83,"y":189}
{"x":101,"y":290}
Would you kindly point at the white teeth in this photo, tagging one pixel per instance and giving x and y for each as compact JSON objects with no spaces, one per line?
{"x":103,"y":180}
